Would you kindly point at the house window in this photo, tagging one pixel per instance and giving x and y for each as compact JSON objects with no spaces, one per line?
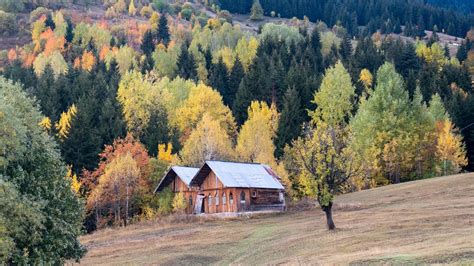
{"x":209,"y":199}
{"x":224,"y":199}
{"x":190,"y":200}
{"x":217,"y":199}
{"x":231,"y":199}
{"x":254,"y":194}
{"x":242,"y":197}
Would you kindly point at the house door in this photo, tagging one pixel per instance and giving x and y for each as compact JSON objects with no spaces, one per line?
{"x":199,"y":206}
{"x":243,"y":203}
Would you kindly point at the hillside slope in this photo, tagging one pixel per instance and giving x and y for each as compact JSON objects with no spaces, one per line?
{"x":428,"y":221}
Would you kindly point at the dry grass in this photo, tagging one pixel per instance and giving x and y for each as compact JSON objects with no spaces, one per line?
{"x":429,"y":221}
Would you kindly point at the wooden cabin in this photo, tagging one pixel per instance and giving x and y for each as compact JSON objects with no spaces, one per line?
{"x":178,"y":178}
{"x":236,"y":187}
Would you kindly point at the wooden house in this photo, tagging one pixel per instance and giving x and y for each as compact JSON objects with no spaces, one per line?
{"x":178,"y":179}
{"x":236,"y":187}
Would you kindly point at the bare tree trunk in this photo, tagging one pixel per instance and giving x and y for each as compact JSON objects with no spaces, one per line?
{"x":126,"y":207}
{"x":329,"y":220}
{"x":444,"y":166}
{"x":96,"y":216}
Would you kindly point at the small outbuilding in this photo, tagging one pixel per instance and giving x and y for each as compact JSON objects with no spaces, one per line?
{"x":178,"y":179}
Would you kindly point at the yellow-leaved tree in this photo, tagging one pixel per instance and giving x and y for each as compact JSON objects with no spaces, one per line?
{"x":255,"y":139}
{"x":450,"y":149}
{"x":367,"y":80}
{"x":164,"y":152}
{"x":203,"y":99}
{"x":179,"y":202}
{"x":75,"y":184}
{"x":208,"y":141}
{"x":139,"y":98}
{"x":115,"y":189}
{"x":64,"y":124}
{"x":132,"y":10}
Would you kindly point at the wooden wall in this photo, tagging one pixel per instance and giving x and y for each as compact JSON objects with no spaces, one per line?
{"x":211,"y":186}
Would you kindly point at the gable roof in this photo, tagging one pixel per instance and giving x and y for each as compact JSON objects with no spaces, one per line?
{"x":184,"y":173}
{"x":242,"y":175}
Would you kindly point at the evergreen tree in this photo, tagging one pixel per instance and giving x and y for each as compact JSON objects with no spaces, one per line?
{"x":236,"y":75}
{"x":47,"y":95}
{"x":147,"y":45}
{"x":256,"y":12}
{"x":315,"y":42}
{"x":163,"y":32}
{"x":409,"y":61}
{"x":186,"y":64}
{"x":345,"y":49}
{"x":291,"y":120}
{"x":69,"y":31}
{"x":218,"y":79}
{"x":82,"y":145}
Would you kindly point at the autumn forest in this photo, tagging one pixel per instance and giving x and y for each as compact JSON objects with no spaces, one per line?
{"x":95,"y":108}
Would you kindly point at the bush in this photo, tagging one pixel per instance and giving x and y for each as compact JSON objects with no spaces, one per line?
{"x":179,"y":202}
{"x":165,"y":201}
{"x":7,"y":23}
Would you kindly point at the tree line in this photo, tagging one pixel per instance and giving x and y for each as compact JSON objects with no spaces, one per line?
{"x":373,"y":15}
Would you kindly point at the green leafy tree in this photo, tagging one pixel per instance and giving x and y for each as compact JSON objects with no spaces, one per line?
{"x":385,"y":116}
{"x":322,"y":154}
{"x":34,"y":166}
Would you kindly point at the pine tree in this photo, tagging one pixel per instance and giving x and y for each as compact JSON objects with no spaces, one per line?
{"x":291,"y":120}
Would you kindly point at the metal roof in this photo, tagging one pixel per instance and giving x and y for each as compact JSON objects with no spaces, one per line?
{"x":184,"y":173}
{"x":234,"y":174}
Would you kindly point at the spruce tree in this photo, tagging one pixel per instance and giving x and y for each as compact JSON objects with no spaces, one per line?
{"x":47,"y":95}
{"x":291,"y":120}
{"x":163,"y":32}
{"x":186,"y":64}
{"x":218,"y":80}
{"x":345,"y":49}
{"x":236,"y":75}
{"x":147,"y":45}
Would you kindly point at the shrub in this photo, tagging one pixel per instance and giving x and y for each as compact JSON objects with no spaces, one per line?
{"x":179,"y":202}
{"x":165,"y":201}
